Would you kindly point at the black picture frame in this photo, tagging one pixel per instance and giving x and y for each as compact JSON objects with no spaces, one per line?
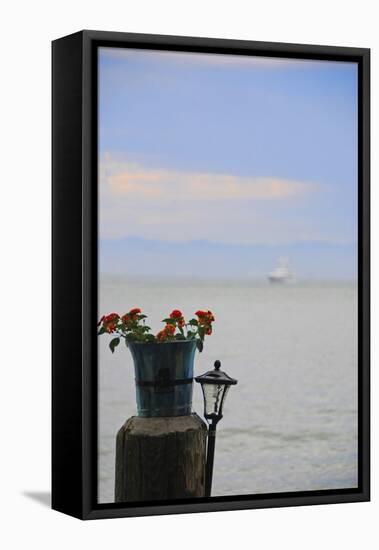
{"x":74,"y":272}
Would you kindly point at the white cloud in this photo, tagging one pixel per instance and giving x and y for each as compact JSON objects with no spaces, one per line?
{"x":179,"y":205}
{"x":139,"y":182}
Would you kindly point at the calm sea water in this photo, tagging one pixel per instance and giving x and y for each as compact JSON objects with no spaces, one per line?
{"x":291,"y":422}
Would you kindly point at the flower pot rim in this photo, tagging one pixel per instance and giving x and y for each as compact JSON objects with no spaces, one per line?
{"x":135,"y":342}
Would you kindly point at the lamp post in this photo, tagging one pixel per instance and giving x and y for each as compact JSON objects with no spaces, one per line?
{"x":215,"y":385}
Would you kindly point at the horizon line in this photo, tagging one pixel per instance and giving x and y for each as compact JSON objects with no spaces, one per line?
{"x":241,"y":278}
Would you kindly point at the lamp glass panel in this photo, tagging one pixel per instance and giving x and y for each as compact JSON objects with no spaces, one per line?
{"x":213,"y":398}
{"x":226,"y":389}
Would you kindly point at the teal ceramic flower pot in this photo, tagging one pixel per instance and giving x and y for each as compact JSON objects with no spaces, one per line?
{"x":164,"y":377}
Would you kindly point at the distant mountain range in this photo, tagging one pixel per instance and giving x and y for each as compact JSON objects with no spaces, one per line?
{"x":135,"y":256}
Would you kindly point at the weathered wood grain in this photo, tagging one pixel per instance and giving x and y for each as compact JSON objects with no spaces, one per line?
{"x":160,"y":458}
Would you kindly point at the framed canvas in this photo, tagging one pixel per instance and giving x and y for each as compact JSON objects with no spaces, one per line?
{"x":210,"y":275}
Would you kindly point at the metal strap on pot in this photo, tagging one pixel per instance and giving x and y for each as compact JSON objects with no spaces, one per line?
{"x":163,"y":383}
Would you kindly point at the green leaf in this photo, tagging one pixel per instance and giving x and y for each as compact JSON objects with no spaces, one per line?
{"x":169,"y":321}
{"x":200,"y":345}
{"x":101,"y":331}
{"x":114,"y":343}
{"x":193,"y":322}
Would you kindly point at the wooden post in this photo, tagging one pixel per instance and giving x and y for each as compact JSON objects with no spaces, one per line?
{"x":160,"y":458}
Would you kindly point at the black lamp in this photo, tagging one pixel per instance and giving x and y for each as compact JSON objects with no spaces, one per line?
{"x":215,"y":385}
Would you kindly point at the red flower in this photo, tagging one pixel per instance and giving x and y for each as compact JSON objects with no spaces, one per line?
{"x":207,"y":316}
{"x":201,"y":313}
{"x":161,"y":336}
{"x":165,"y":333}
{"x":128,"y":326}
{"x":170,"y":330}
{"x":131,"y":316}
{"x":111,"y":317}
{"x":109,"y":322}
{"x":210,"y":316}
{"x":176,"y":314}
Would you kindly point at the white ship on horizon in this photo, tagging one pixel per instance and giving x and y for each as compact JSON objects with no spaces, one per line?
{"x":281,"y":274}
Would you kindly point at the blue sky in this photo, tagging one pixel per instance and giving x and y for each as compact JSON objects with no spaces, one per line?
{"x":229,"y":149}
